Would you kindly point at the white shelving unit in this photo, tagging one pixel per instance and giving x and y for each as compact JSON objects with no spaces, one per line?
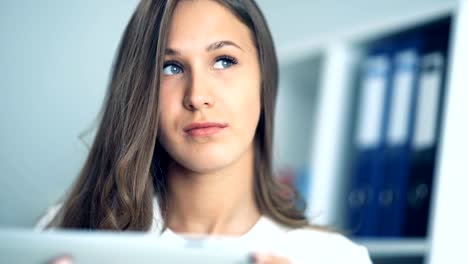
{"x":449,"y":219}
{"x":407,"y":247}
{"x":331,"y":103}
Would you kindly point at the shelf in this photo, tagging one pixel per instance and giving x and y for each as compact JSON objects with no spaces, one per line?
{"x":388,"y":247}
{"x":316,"y":45}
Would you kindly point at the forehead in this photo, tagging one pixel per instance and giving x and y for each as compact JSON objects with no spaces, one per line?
{"x":196,"y":23}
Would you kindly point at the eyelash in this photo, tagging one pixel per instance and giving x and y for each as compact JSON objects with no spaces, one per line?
{"x":231,"y":60}
{"x":172,"y":62}
{"x":226,"y":57}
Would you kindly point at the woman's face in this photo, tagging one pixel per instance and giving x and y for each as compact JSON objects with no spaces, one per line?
{"x":210,"y":88}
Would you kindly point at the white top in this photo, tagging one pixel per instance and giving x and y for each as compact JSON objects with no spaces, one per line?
{"x":298,"y":245}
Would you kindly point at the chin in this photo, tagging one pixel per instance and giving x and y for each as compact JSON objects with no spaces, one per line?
{"x":209,"y":158}
{"x":206,"y":163}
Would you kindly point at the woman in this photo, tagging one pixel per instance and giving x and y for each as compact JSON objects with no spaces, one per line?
{"x":184,"y":144}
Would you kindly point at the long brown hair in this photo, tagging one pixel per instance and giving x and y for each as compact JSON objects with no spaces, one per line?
{"x":126,"y":165}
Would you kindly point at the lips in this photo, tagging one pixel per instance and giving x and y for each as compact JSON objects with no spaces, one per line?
{"x":204,"y":129}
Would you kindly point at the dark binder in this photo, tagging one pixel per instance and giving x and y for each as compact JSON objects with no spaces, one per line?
{"x":424,"y":146}
{"x":368,"y":141}
{"x":391,"y":197}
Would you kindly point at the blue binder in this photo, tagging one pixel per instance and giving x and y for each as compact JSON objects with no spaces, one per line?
{"x":391,"y":197}
{"x":368,"y":141}
{"x":301,"y":183}
{"x":424,"y":146}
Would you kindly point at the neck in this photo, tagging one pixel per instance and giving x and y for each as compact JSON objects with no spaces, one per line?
{"x":220,"y":202}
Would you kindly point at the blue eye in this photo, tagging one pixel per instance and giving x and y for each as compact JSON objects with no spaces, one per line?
{"x":172,"y":69}
{"x":224,"y":62}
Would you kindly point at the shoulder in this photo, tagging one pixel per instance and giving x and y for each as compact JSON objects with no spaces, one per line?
{"x":306,"y":245}
{"x":46,"y":218}
{"x":310,"y":245}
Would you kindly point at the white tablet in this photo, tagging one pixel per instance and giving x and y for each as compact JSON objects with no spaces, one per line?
{"x":28,"y":246}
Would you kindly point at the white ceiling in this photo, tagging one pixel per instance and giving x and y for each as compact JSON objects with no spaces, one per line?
{"x":305,"y":21}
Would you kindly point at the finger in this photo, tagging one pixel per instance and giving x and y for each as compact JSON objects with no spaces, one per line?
{"x":62,"y":260}
{"x":267,"y":258}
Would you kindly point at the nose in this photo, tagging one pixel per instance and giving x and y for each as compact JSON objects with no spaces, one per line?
{"x":198,"y":94}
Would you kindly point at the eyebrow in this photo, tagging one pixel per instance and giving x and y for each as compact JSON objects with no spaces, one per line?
{"x":213,"y":46}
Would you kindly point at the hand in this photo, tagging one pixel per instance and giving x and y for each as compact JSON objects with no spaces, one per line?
{"x":65,"y":259}
{"x":268,"y":258}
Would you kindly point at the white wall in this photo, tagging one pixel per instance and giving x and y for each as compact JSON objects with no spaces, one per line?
{"x":295,"y":113}
{"x":55,"y":59}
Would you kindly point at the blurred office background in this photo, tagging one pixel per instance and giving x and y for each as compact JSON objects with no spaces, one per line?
{"x":369,"y":120}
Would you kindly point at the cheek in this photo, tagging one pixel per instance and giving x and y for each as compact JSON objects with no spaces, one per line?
{"x":245,"y":102}
{"x":252,"y":111}
{"x":169,"y":106}
{"x":167,"y":95}
{"x":250,"y":91}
